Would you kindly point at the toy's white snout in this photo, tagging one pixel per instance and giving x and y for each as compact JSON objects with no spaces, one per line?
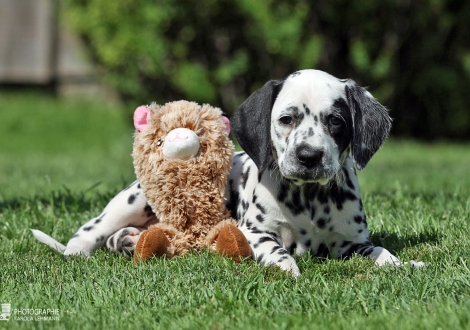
{"x":180,"y":143}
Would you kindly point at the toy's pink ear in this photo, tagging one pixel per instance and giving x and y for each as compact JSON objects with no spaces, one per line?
{"x":226,"y":123}
{"x":141,"y":117}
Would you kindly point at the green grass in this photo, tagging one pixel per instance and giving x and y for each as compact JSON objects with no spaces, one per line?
{"x":54,"y":153}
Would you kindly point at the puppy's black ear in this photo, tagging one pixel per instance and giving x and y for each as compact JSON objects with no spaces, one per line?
{"x":251,"y":124}
{"x":371,"y":123}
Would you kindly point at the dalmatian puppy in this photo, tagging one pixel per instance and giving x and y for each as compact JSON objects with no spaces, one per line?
{"x":294,"y":189}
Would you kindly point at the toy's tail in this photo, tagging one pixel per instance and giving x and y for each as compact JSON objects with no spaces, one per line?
{"x":49,"y":241}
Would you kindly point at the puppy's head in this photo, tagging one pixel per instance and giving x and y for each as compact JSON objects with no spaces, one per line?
{"x":308,"y":124}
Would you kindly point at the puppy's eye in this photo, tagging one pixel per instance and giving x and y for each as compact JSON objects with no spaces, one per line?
{"x":286,"y":120}
{"x":334,"y":121}
{"x":159,"y":142}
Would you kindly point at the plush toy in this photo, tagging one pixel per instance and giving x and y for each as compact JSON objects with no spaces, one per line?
{"x":182,"y":158}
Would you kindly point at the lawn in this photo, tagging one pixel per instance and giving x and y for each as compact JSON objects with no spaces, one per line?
{"x":61,"y":161}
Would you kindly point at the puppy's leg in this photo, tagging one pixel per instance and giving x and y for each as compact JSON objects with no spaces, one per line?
{"x":267,"y":250}
{"x":128,"y":209}
{"x":124,"y":240}
{"x":382,"y":256}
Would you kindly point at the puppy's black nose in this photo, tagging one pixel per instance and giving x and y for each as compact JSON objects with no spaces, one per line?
{"x":308,"y":156}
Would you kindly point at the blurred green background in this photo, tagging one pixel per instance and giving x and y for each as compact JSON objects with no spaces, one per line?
{"x":413,"y":55}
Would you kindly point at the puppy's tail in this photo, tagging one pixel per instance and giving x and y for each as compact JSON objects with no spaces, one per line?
{"x":49,"y":241}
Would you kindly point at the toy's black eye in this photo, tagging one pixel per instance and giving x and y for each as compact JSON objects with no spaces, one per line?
{"x":286,"y":120}
{"x":159,"y":142}
{"x":334,"y":121}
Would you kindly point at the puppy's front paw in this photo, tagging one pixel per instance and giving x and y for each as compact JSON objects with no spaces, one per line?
{"x":415,"y":264}
{"x":76,"y":250}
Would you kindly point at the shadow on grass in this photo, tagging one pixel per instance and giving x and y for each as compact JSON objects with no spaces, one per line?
{"x":396,"y":243}
{"x":60,"y":200}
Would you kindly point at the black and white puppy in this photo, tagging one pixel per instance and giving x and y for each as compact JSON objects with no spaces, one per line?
{"x":294,"y":189}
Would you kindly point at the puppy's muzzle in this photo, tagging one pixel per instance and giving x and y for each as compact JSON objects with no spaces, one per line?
{"x":308,"y":156}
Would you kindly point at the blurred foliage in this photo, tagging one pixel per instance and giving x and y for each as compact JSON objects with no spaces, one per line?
{"x":414,"y":55}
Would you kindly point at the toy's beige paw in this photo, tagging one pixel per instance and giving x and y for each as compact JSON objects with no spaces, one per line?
{"x":232,"y":243}
{"x":152,"y":242}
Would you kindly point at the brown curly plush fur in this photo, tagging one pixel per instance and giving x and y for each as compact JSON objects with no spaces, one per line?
{"x":186,"y":195}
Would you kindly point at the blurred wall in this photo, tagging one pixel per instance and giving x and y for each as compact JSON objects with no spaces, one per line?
{"x":35,"y":49}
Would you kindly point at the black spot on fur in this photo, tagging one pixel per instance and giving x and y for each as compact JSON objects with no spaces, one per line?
{"x":326,"y":210}
{"x":138,"y":186}
{"x":266,"y":239}
{"x":331,"y":228}
{"x":233,"y":201}
{"x":308,"y":243}
{"x":295,"y":208}
{"x":100,"y":218}
{"x":348,"y":179}
{"x":100,"y":239}
{"x":282,"y":191}
{"x":260,"y":218}
{"x":358,"y":219}
{"x":248,"y":224}
{"x":261,"y":208}
{"x":88,"y":228}
{"x":340,"y":196}
{"x":245,"y":205}
{"x":255,"y":230}
{"x":321,"y":223}
{"x":302,"y":231}
{"x":312,"y":212}
{"x":294,"y":110}
{"x":245,"y":176}
{"x":131,"y":199}
{"x":275,"y":248}
{"x":295,"y":205}
{"x":310,"y":132}
{"x":322,"y":196}
{"x":307,"y":110}
{"x":310,"y":191}
{"x":260,"y":258}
